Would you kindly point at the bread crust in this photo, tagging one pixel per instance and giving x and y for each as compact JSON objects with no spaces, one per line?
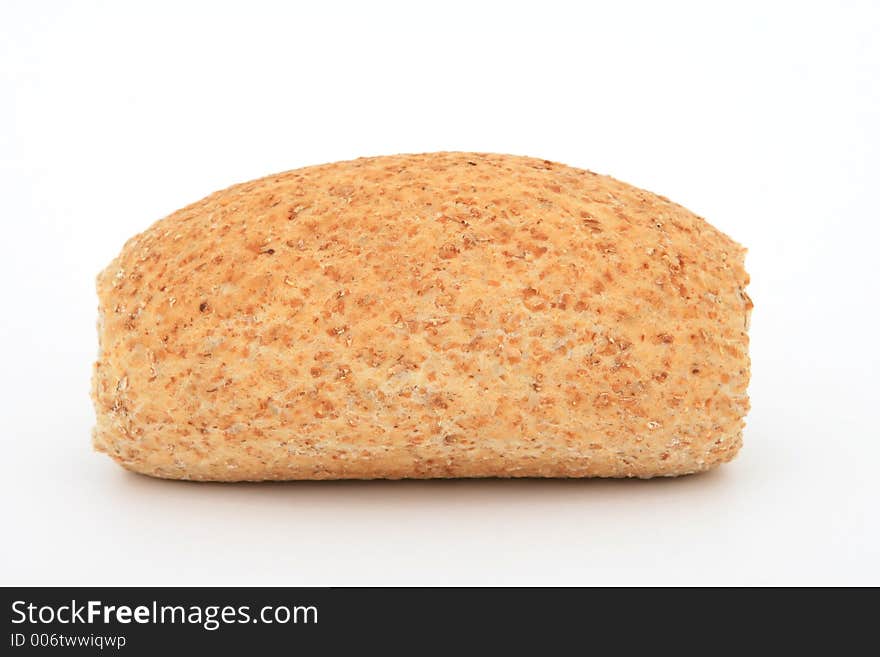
{"x":415,"y":316}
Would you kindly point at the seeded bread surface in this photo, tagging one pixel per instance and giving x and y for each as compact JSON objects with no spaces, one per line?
{"x":433,"y":315}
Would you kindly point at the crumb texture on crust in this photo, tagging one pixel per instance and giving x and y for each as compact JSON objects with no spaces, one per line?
{"x":434,"y":315}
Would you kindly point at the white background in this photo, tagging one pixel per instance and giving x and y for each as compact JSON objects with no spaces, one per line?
{"x":763,"y":117}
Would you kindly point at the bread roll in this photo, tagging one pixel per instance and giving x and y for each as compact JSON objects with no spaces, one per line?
{"x":435,"y":315}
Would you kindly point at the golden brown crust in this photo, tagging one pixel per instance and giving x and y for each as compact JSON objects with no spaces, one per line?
{"x":436,"y":315}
